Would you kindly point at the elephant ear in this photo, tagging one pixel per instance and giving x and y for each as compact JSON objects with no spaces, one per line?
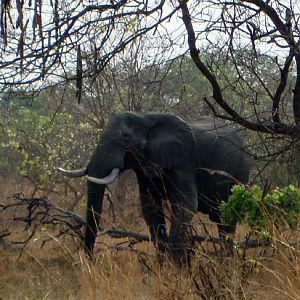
{"x":170,"y":141}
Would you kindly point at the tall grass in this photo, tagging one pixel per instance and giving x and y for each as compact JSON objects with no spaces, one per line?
{"x":60,"y":271}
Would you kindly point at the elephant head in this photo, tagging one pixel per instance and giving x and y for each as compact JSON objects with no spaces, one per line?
{"x":152,"y":144}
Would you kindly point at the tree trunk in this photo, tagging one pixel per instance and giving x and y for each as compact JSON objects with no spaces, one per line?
{"x":296,"y":100}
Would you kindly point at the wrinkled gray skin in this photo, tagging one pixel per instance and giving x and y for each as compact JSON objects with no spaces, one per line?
{"x":193,"y":165}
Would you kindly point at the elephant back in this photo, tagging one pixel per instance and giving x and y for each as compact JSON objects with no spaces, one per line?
{"x":219,"y":148}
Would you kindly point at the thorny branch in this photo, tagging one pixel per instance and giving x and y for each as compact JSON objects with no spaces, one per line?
{"x":36,"y":213}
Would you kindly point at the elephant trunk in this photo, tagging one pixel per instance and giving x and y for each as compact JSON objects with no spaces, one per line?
{"x":94,"y":207}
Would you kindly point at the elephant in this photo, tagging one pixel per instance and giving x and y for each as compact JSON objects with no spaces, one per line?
{"x":192,"y":165}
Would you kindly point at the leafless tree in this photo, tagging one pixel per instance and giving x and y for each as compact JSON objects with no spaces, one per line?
{"x":257,"y":40}
{"x":260,"y":41}
{"x":53,"y":38}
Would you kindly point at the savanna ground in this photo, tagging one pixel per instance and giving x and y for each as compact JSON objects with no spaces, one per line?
{"x":248,"y":56}
{"x":59,"y":270}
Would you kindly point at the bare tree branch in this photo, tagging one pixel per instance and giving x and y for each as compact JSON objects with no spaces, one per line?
{"x":39,"y":212}
{"x":267,"y":127}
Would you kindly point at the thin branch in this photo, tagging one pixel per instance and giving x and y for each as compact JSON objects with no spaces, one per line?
{"x":268,"y":127}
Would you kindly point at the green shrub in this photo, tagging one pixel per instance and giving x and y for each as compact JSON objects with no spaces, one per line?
{"x":254,"y":207}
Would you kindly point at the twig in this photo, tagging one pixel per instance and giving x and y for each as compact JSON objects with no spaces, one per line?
{"x":39,"y":212}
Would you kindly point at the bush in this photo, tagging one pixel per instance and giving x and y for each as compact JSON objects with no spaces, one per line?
{"x":254,"y":207}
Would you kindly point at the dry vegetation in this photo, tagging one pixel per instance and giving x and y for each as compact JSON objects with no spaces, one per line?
{"x":60,"y":271}
{"x":248,"y":53}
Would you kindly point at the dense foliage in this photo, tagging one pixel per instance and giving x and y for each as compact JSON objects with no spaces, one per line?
{"x":260,"y":210}
{"x":36,"y":138}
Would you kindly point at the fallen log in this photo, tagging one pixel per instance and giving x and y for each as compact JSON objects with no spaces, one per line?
{"x":118,"y":233}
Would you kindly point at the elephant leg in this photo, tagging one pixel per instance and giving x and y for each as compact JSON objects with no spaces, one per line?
{"x":183,"y":198}
{"x":151,"y":203}
{"x":180,"y":236}
{"x":226,"y":234}
{"x":154,"y":217}
{"x":94,"y":206}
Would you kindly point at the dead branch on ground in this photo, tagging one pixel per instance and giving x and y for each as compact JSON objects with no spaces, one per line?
{"x":37,"y":213}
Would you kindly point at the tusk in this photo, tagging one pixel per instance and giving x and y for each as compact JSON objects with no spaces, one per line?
{"x":106,"y":180}
{"x":73,"y":173}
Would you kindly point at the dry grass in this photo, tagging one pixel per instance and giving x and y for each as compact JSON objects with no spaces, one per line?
{"x":59,"y":271}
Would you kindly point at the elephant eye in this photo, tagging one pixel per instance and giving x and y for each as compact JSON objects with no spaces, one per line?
{"x":126,"y":137}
